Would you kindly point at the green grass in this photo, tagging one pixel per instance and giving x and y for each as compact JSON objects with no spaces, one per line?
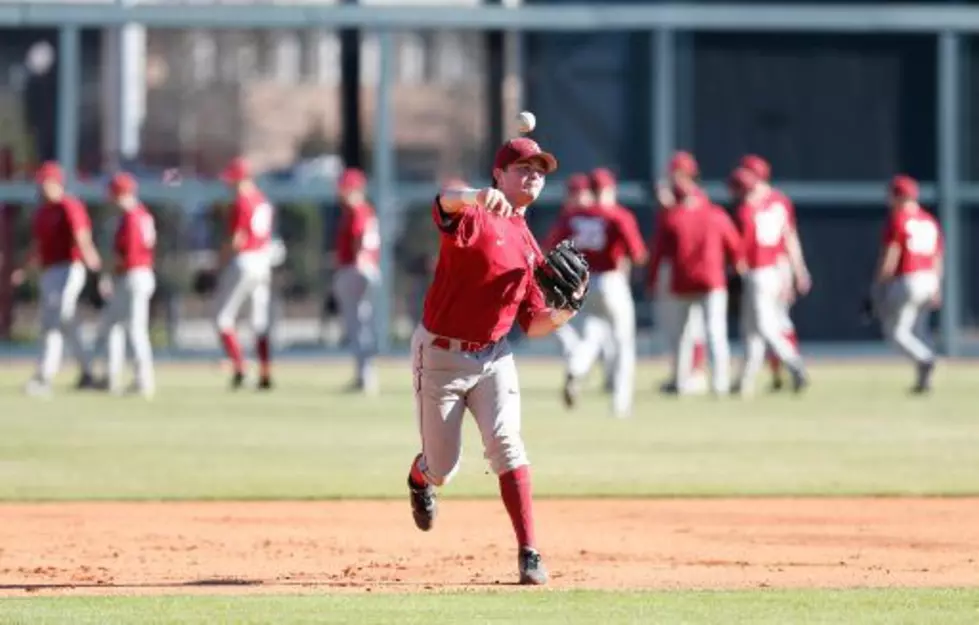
{"x":804,"y":607}
{"x":856,"y":432}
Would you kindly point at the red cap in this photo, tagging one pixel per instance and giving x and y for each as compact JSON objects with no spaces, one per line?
{"x":352,"y":179}
{"x":523,"y":150}
{"x":49,"y":171}
{"x":758,"y":166}
{"x":236,"y":171}
{"x":121,"y":184}
{"x":602,"y":178}
{"x":578,"y":183}
{"x":684,"y":163}
{"x":904,"y":187}
{"x":742,"y":179}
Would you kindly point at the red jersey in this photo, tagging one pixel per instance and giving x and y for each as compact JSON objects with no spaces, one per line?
{"x":55,"y":227}
{"x":777,"y":198}
{"x":251,"y":218}
{"x":919,"y":238}
{"x":603,"y":235}
{"x":764,"y":225}
{"x":135,"y":239}
{"x":484,"y":279}
{"x":695,"y":241}
{"x":358,"y":232}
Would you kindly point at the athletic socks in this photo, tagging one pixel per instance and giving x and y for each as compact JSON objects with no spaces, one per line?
{"x":233,"y":349}
{"x":416,"y":476}
{"x":515,"y":491}
{"x":264,"y":359}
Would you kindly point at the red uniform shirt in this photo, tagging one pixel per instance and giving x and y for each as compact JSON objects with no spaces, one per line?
{"x":763,"y":228}
{"x":919,"y":238}
{"x":695,"y":240}
{"x":603,"y":235}
{"x":358,"y":231}
{"x":135,"y":239}
{"x":251,"y":218}
{"x":484,"y":279}
{"x":55,"y":227}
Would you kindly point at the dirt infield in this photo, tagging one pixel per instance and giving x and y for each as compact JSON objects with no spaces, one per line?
{"x":295,"y":547}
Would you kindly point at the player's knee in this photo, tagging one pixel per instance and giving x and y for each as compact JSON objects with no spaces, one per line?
{"x":506,"y":452}
{"x":439,"y":468}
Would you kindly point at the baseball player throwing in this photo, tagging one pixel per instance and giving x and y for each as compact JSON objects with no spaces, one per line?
{"x":608,"y":236}
{"x":62,"y":248}
{"x":246,"y":272}
{"x":358,"y":248}
{"x":696,"y":239}
{"x":766,"y":229}
{"x":909,"y":277}
{"x":129,"y":309}
{"x":484,"y":280}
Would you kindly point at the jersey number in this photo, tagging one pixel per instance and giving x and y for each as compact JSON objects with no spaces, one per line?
{"x":148,"y":231}
{"x":769,"y":226}
{"x":588,"y":233}
{"x":261,"y":222}
{"x":922,"y":237}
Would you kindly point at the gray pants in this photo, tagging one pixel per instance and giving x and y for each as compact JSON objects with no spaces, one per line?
{"x":711,"y":307}
{"x":667,"y":313}
{"x":354,"y":290}
{"x":128,"y":315}
{"x":248,"y":276}
{"x":904,"y":306}
{"x":446,"y":382}
{"x":61,"y":285}
{"x":762,"y":324}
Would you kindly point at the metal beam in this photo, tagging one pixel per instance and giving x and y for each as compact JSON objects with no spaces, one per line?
{"x":855,"y":18}
{"x":69,"y":92}
{"x":663,"y":83}
{"x":949,"y":149}
{"x":384,"y":185}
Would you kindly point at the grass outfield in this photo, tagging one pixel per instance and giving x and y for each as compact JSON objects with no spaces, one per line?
{"x":855,"y":432}
{"x":880,"y":607}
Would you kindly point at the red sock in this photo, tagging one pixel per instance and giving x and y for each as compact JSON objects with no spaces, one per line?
{"x":773,"y":362}
{"x":516,"y":493}
{"x":262,"y":348}
{"x":699,"y":356}
{"x":233,"y":349}
{"x":416,"y":475}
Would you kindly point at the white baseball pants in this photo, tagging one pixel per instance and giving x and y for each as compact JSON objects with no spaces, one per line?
{"x":761,"y":320}
{"x":247,"y":277}
{"x":61,"y":285}
{"x":905,"y":308}
{"x":711,"y":308}
{"x":446,"y":382}
{"x":668,"y":314}
{"x":354,"y":288}
{"x":611,"y":301}
{"x":128,"y":315}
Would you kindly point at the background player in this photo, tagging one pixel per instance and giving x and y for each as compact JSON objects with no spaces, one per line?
{"x":62,"y":248}
{"x":909,"y":276}
{"x":484,"y":280}
{"x":765,"y":228}
{"x":763,"y":174}
{"x":358,"y":248}
{"x":696,"y":238}
{"x":609,"y":238}
{"x":682,"y":172}
{"x":246,"y":272}
{"x":128,"y":313}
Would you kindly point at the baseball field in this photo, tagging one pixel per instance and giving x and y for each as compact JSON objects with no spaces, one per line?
{"x":854,"y":504}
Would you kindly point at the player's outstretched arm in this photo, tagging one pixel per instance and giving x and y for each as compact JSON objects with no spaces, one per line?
{"x":453,"y":200}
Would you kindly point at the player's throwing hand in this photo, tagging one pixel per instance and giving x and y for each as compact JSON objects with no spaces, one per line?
{"x":494,"y":202}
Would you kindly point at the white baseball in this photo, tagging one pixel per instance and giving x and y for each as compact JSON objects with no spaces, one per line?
{"x":526,"y":122}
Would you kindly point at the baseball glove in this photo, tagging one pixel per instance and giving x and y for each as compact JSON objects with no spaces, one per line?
{"x":563,"y":277}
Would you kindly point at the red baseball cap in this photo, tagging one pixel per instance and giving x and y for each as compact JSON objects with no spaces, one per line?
{"x":577,"y":183}
{"x":237,"y":170}
{"x":352,"y":179}
{"x":904,"y":187}
{"x":523,"y":150}
{"x":602,"y":178}
{"x":742,"y":179}
{"x":121,"y":184}
{"x":49,"y":170}
{"x":684,"y":163}
{"x":757,"y":165}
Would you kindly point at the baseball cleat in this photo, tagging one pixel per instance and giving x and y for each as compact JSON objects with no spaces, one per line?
{"x":923,"y":385}
{"x":237,"y":380}
{"x":424,"y":506}
{"x":265,"y":383}
{"x":86,"y":382}
{"x":777,"y":384}
{"x":38,"y":388}
{"x":532,"y":570}
{"x":570,"y":391}
{"x":800,"y":381}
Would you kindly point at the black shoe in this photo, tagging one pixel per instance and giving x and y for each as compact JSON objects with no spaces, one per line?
{"x":265,"y":383}
{"x":237,"y":380}
{"x":423,"y":505}
{"x":777,"y":384}
{"x":570,"y":391}
{"x":923,"y":386}
{"x":669,"y":388}
{"x":85,"y":382}
{"x":800,"y":382}
{"x":532,"y":571}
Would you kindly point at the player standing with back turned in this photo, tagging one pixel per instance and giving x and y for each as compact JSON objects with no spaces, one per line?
{"x":484,"y":281}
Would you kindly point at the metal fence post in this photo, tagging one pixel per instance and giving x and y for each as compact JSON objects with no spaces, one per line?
{"x":384,"y":179}
{"x":949,"y":151}
{"x":663,"y":83}
{"x":69,"y":98}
